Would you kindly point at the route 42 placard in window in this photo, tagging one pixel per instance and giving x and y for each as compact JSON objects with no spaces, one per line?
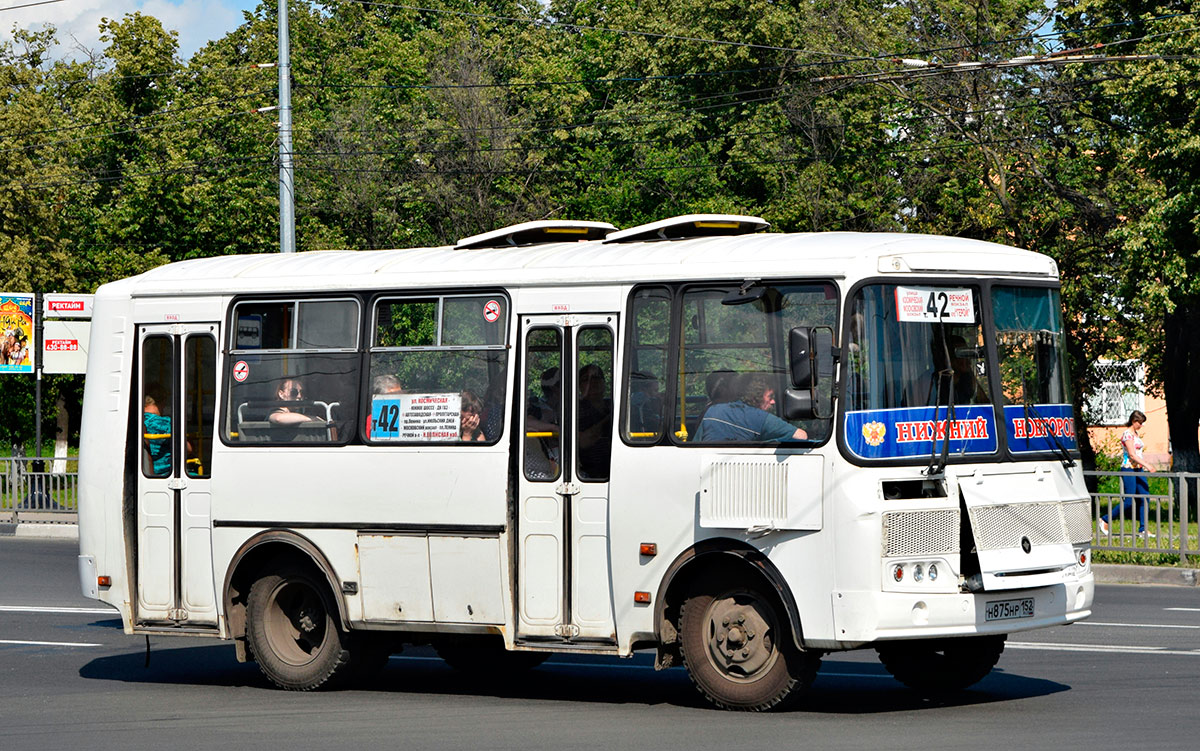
{"x":929,"y":304}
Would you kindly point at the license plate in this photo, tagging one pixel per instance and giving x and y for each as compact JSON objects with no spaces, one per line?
{"x":1000,"y":610}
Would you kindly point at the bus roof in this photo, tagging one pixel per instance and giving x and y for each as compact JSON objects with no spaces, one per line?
{"x":838,"y":255}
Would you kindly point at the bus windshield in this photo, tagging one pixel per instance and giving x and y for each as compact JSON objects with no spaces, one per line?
{"x":1032,"y":355}
{"x":918,"y":373}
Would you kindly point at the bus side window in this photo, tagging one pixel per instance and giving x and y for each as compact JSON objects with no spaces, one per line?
{"x":646,"y":365}
{"x":438,"y":368}
{"x":294,"y":372}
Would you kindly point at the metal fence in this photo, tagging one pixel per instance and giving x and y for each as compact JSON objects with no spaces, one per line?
{"x":38,"y":490}
{"x":1170,"y":518}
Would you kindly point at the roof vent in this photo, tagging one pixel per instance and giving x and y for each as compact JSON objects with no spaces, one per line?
{"x":533,"y":233}
{"x":691,"y":225}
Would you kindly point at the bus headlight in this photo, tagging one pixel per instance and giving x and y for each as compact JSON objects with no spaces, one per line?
{"x":933,"y":572}
{"x":918,"y":574}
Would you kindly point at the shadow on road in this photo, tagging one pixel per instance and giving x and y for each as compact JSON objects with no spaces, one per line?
{"x":842,"y":687}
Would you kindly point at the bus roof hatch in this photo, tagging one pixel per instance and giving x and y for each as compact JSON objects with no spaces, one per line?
{"x":534,"y":233}
{"x":691,"y":225}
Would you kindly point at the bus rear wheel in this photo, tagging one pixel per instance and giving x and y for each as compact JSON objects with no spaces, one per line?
{"x":938,"y":666}
{"x":294,"y":631}
{"x":738,"y":649}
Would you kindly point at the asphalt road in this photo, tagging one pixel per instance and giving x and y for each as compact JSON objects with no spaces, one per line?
{"x":69,"y":678}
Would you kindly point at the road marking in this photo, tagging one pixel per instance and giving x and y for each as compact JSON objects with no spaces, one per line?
{"x":1136,"y":625}
{"x":1185,"y":610}
{"x":50,"y":643}
{"x":37,"y":609}
{"x":1100,"y":648}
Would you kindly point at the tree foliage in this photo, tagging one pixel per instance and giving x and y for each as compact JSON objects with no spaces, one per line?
{"x":416,"y":127}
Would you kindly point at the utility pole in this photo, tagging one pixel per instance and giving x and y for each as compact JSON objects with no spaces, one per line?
{"x":37,"y":389}
{"x":287,"y":178}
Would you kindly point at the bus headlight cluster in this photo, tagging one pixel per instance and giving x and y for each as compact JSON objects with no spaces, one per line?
{"x":1083,"y":557}
{"x":919,"y":572}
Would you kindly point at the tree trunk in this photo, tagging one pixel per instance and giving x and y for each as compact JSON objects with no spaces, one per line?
{"x":1181,"y":389}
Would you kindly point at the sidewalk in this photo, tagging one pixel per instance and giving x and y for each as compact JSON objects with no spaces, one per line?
{"x":1121,"y":573}
{"x":41,"y":531}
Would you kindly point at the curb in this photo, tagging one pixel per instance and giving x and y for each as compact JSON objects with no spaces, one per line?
{"x":41,"y":531}
{"x":1124,"y":573}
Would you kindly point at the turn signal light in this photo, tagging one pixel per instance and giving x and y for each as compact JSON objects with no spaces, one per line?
{"x":104,"y":581}
{"x":643,"y":597}
{"x":898,"y":573}
{"x":649,"y":548}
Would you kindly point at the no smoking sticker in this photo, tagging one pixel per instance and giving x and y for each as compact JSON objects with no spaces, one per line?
{"x":241,"y":371}
{"x":491,"y":311}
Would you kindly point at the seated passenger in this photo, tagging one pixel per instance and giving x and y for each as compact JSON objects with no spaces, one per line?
{"x":290,"y":390}
{"x":747,"y":419}
{"x":381,"y":385}
{"x":157,"y":429}
{"x":470,"y":413}
{"x":645,"y":404}
{"x":595,"y":423}
{"x":965,"y":386}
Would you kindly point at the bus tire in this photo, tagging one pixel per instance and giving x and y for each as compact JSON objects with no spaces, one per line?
{"x":487,"y":659}
{"x":938,"y":666}
{"x":738,"y":648}
{"x":294,"y":632}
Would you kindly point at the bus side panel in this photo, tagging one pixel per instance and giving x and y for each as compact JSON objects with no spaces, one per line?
{"x":655,"y":499}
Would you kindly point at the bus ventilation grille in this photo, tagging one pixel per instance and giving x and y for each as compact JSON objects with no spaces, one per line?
{"x":908,"y":533}
{"x":1002,"y":527}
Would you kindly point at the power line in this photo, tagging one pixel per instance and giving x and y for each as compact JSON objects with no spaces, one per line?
{"x":30,"y":5}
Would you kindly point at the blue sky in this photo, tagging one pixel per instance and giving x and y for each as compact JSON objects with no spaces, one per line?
{"x":197,"y":21}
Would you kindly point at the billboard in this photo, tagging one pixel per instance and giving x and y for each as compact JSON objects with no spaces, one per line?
{"x":16,"y":332}
{"x":65,"y":346}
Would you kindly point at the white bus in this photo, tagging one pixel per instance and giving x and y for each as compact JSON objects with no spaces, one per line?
{"x":742,"y":450}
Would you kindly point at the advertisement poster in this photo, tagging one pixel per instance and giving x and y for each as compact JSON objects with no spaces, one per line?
{"x":16,"y":332}
{"x":416,"y":417}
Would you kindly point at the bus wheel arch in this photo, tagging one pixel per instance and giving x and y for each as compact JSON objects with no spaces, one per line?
{"x":708,"y":559}
{"x":262,"y":554}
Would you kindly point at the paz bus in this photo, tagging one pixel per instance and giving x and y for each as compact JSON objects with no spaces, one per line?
{"x":742,"y":450}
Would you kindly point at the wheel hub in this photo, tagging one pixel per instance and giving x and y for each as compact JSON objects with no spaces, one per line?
{"x":740,"y":642}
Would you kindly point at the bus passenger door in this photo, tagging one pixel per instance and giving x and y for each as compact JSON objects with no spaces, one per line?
{"x":177,"y":396}
{"x":564,"y":573}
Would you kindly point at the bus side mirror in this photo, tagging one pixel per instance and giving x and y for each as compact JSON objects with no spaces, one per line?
{"x":800,"y":357}
{"x":811,"y":357}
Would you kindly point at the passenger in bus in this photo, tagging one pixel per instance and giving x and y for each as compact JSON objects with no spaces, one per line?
{"x":719,"y":387}
{"x":290,"y":390}
{"x":964,"y":383}
{"x":542,"y":448}
{"x":157,"y":430}
{"x":470,"y":415}
{"x":645,"y":404}
{"x":595,"y":423}
{"x":381,"y":385}
{"x":748,"y":419}
{"x":542,"y":413}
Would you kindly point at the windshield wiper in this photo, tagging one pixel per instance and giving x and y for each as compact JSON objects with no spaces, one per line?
{"x":1064,"y":455}
{"x":937,"y":464}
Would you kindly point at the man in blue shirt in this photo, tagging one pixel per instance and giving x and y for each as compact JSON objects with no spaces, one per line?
{"x":748,"y":420}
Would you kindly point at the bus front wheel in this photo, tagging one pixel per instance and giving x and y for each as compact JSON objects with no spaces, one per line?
{"x":738,"y":649}
{"x":938,"y":666}
{"x":293,"y":630}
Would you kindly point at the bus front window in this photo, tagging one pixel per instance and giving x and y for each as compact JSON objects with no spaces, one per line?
{"x":1032,"y":354}
{"x":914,"y":354}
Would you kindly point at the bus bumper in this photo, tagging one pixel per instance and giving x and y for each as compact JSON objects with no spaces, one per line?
{"x":861,"y":618}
